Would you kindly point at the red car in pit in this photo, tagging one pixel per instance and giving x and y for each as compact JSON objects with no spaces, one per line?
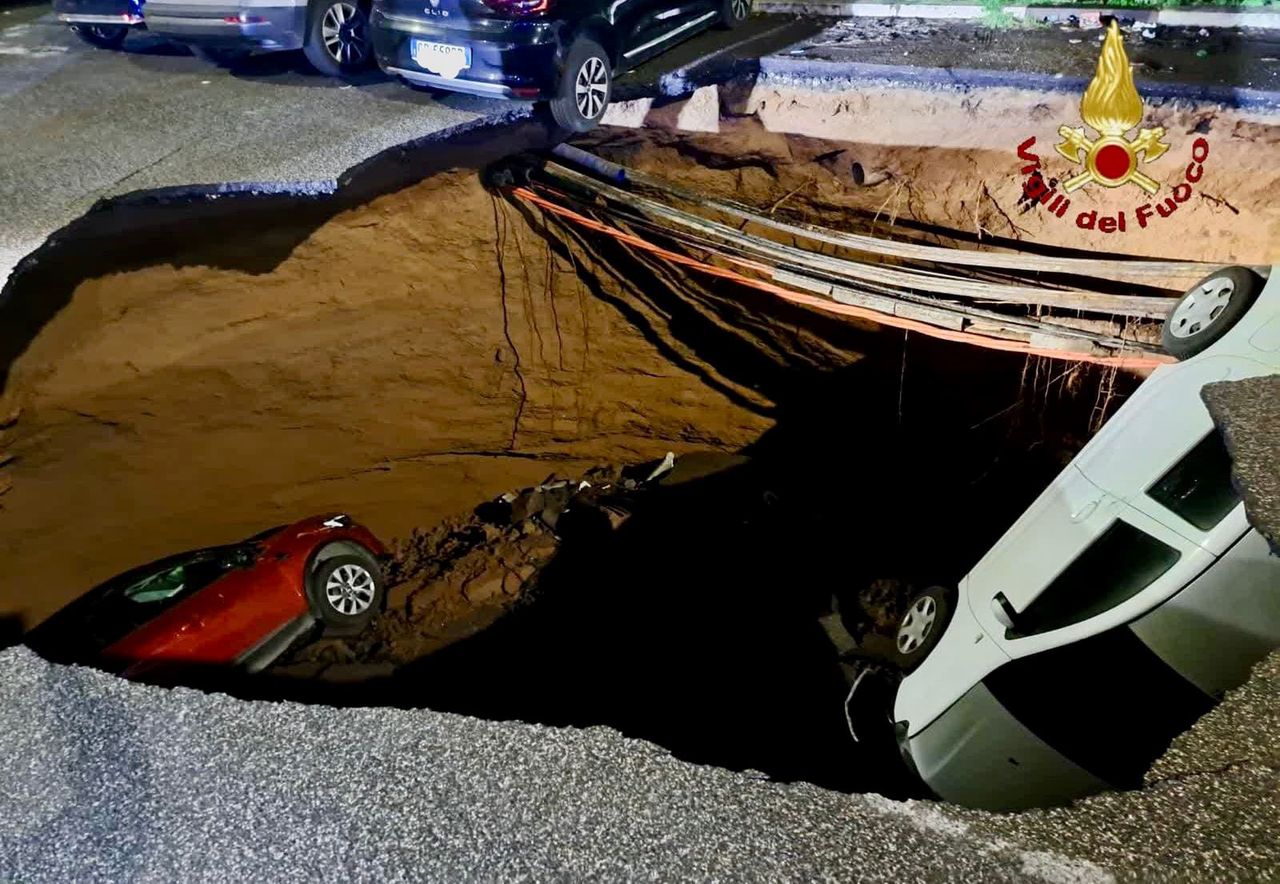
{"x":239,"y":605}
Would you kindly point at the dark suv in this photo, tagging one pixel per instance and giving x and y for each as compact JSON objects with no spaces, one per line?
{"x":561,"y":51}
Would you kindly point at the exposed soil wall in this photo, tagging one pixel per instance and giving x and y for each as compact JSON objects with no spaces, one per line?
{"x":949,"y":158}
{"x":380,"y":368}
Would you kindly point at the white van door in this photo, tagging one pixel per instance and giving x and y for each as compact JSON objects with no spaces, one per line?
{"x":1129,"y":564}
{"x":1067,"y":517}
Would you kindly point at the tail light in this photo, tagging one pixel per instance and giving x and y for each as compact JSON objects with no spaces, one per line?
{"x":518,"y":7}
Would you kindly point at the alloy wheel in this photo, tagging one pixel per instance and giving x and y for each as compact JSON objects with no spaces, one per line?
{"x":343,"y":29}
{"x":590,"y":87}
{"x":350,"y":590}
{"x":741,"y":9}
{"x":916,"y":624}
{"x":1201,"y":307}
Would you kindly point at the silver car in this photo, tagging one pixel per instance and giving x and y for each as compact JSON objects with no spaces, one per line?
{"x":334,"y":34}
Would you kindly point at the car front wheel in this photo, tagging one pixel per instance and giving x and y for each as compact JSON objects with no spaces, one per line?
{"x":1209,"y":309}
{"x":346,"y":592}
{"x":734,"y":12}
{"x":102,"y":36}
{"x":921,"y":627}
{"x":338,"y":42}
{"x":584,"y":89}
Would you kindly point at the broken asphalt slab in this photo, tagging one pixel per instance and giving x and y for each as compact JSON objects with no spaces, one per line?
{"x":1248,"y":414}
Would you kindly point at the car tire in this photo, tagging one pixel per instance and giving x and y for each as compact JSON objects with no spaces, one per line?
{"x":734,"y":13}
{"x":585,"y":86}
{"x":1209,"y":309}
{"x":338,"y":42}
{"x":346,"y":591}
{"x":921,"y":627}
{"x":102,"y":36}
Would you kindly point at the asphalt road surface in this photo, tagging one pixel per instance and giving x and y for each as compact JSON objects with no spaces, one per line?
{"x":106,"y":780}
{"x":78,"y":124}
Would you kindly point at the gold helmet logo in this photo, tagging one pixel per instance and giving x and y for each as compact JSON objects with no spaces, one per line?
{"x":1112,"y":107}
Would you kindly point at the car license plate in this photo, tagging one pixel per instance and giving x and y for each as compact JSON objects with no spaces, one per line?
{"x":446,"y":59}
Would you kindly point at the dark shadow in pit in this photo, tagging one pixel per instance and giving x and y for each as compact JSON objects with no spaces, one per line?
{"x":695,"y":624}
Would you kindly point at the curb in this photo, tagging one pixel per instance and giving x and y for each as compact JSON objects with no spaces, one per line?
{"x":1193,"y":17}
{"x":835,"y":74}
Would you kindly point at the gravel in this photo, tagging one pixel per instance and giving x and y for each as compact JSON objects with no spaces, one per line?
{"x":102,"y":779}
{"x":106,"y":780}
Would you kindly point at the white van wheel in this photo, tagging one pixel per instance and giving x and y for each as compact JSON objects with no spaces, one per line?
{"x":1209,"y":309}
{"x":921,"y":627}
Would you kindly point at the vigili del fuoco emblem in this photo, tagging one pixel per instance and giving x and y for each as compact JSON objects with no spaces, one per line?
{"x":1112,"y":107}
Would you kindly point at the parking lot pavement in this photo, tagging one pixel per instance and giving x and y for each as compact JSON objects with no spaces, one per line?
{"x":78,"y":124}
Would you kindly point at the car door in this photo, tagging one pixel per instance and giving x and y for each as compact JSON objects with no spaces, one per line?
{"x":1078,"y":561}
{"x":218,"y":605}
{"x":248,"y":604}
{"x":649,"y":27}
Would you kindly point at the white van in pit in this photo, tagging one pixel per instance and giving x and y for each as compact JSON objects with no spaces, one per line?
{"x":1122,"y":604}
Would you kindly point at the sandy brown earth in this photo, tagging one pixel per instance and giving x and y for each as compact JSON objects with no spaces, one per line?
{"x":950,"y":159}
{"x":378,"y":370}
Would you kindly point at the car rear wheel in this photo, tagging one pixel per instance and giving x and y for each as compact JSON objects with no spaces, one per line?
{"x":585,"y":87}
{"x":338,"y":40}
{"x":346,"y":592}
{"x":1209,"y":309}
{"x":734,"y":12}
{"x":921,"y":627}
{"x":102,"y":36}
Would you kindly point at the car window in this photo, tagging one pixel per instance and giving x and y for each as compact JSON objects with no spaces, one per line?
{"x":1119,"y":564}
{"x":188,"y":576}
{"x":1198,"y":487}
{"x":158,"y":587}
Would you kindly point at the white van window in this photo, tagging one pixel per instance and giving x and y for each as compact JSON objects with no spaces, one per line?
{"x":1118,"y":565}
{"x":1198,"y":487}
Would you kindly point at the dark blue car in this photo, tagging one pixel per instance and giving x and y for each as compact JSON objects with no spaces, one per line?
{"x":564,"y":52}
{"x":103,"y":23}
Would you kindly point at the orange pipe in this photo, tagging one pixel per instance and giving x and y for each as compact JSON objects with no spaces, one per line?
{"x":817,"y":303}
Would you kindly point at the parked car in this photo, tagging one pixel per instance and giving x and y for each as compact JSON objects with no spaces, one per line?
{"x":102,"y":23}
{"x":1122,"y":604}
{"x":239,"y":605}
{"x":565,"y":52}
{"x":333,"y":34}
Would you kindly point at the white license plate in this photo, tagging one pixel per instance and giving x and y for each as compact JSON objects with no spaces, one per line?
{"x":446,"y":59}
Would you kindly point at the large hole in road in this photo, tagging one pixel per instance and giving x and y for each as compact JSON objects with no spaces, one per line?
{"x":406,"y":358}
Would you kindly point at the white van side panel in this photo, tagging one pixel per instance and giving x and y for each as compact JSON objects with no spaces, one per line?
{"x":1216,"y":629}
{"x":979,"y":755}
